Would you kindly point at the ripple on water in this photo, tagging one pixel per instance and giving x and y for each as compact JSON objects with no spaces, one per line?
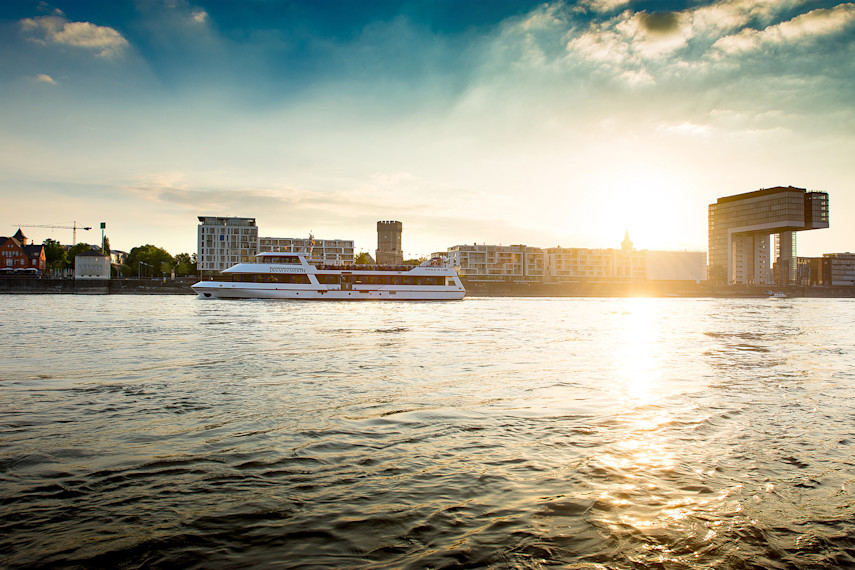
{"x":532,"y":433}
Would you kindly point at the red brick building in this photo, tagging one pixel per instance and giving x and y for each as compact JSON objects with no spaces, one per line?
{"x":16,"y":255}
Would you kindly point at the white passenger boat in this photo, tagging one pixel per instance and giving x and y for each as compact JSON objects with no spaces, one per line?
{"x":289,"y":275}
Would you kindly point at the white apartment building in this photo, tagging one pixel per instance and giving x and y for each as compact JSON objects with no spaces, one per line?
{"x":677,"y":266}
{"x":515,"y":263}
{"x":520,"y":263}
{"x":91,"y":264}
{"x":577,"y":263}
{"x":223,"y":242}
{"x":330,"y":251}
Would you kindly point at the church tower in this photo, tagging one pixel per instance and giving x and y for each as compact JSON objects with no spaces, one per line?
{"x":626,"y":244}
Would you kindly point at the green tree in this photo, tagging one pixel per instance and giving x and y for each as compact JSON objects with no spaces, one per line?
{"x":105,"y":247}
{"x":56,"y":257}
{"x":185,"y":264}
{"x":362,"y":258}
{"x":75,"y":251}
{"x":147,"y":261}
{"x":415,"y":261}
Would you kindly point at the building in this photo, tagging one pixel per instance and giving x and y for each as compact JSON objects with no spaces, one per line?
{"x":677,"y":266}
{"x":508,"y":263}
{"x":118,"y":257}
{"x":810,"y":271}
{"x":91,"y":264}
{"x":17,"y":256}
{"x":389,"y":251}
{"x":223,"y":242}
{"x":740,"y":230}
{"x":838,"y":268}
{"x":569,"y":264}
{"x":322,"y":250}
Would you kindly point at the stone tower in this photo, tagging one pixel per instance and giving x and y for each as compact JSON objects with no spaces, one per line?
{"x":389,"y":243}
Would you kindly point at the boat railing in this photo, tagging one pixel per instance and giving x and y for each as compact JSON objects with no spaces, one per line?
{"x":365,"y":267}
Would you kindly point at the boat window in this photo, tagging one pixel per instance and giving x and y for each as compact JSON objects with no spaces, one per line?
{"x":281,"y":260}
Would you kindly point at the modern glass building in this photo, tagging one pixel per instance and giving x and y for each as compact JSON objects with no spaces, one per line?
{"x":740,"y":227}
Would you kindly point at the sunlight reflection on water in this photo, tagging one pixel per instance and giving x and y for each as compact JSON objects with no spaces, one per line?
{"x":490,"y":432}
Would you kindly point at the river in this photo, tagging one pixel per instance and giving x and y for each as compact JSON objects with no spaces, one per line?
{"x":168,"y":431}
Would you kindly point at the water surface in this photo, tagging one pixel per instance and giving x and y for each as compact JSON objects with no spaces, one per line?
{"x":160,"y":431}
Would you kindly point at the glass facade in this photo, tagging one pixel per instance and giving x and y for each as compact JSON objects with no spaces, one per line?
{"x":740,"y":225}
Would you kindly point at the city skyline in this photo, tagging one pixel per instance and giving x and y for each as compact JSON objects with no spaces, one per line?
{"x":565,"y":123}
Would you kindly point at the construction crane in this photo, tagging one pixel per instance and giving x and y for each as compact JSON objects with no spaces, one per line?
{"x":74,"y":227}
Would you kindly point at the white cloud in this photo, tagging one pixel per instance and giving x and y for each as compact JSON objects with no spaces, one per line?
{"x":56,"y":29}
{"x":199,"y":16}
{"x":686,"y":128}
{"x":628,"y":42}
{"x":44,"y":78}
{"x":729,"y":15}
{"x":603,"y":5}
{"x":804,"y":27}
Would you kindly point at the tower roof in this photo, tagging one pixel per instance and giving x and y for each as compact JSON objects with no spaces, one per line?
{"x":626,"y":243}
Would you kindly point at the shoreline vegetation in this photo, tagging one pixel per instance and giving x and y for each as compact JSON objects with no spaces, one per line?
{"x":181,"y":286}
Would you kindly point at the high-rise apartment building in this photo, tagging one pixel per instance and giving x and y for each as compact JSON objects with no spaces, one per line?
{"x":223,"y":242}
{"x":389,"y":251}
{"x":740,"y":227}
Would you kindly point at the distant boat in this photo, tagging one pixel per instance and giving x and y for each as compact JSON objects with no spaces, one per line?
{"x":776,"y":295}
{"x":289,"y":275}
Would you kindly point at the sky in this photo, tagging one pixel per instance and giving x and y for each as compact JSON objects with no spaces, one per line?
{"x":470,"y":121}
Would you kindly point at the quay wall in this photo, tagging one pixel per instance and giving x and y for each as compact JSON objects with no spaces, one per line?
{"x":473,"y":289}
{"x":96,"y":286}
{"x":644,"y":289}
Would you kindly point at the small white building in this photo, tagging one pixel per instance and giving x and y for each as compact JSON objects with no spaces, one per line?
{"x":91,"y":264}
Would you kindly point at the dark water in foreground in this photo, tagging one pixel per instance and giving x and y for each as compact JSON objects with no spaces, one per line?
{"x":534,"y":433}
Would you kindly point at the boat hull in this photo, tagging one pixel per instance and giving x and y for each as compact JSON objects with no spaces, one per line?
{"x":226,"y":290}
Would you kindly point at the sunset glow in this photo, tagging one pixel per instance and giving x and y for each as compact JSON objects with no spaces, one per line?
{"x":562,"y":123}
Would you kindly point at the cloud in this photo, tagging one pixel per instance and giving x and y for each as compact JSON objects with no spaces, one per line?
{"x":56,"y":29}
{"x":44,"y":78}
{"x":199,"y":16}
{"x":805,"y":27}
{"x":603,"y":5}
{"x":728,"y":15}
{"x":628,"y":42}
{"x":686,"y":128}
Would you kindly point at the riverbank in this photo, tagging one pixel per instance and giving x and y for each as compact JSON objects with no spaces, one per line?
{"x":473,"y":289}
{"x":646,"y":289}
{"x":97,"y":286}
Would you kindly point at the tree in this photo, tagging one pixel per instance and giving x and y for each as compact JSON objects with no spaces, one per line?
{"x":362,"y":258}
{"x":77,"y":250}
{"x":185,"y":264}
{"x":55,"y":255}
{"x":105,"y":246}
{"x":147,"y":260}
